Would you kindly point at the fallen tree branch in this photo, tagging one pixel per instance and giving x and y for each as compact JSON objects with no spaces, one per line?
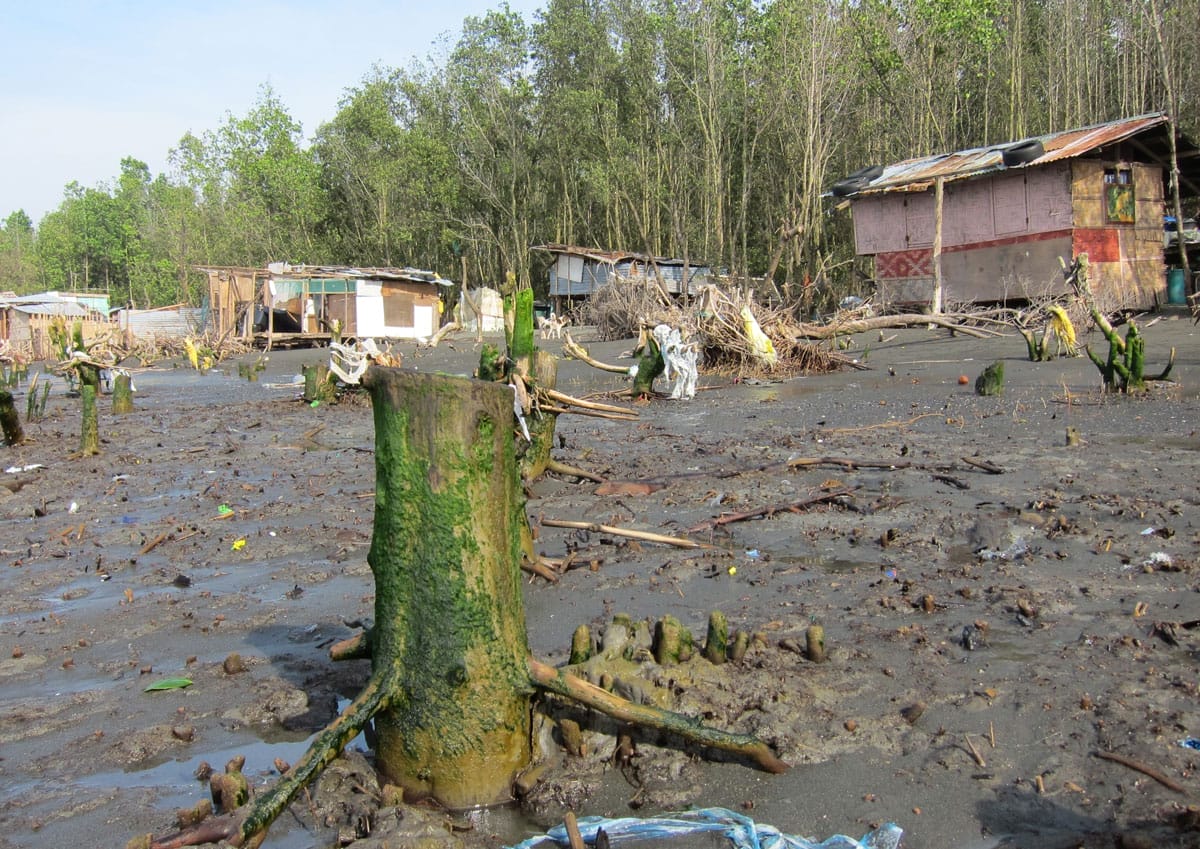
{"x":565,"y":469}
{"x":571,"y":401}
{"x":564,"y":684}
{"x":444,"y":331}
{"x":949,"y":321}
{"x":846,"y":463}
{"x":1169,"y":783}
{"x":539,"y":568}
{"x":880,"y":425}
{"x":573,"y":349}
{"x":990,"y":468}
{"x":249,"y":829}
{"x":794,"y":507}
{"x":678,"y":542}
{"x":596,"y":414}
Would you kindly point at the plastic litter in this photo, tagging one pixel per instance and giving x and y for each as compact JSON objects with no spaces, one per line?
{"x":760,"y":344}
{"x":12,"y":470}
{"x":742,"y":832}
{"x":1159,"y":559}
{"x":678,"y":360}
{"x":1018,"y":549}
{"x":1190,"y":743}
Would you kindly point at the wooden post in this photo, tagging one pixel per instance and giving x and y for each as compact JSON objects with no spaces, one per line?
{"x":449,"y":613}
{"x":938,"y":195}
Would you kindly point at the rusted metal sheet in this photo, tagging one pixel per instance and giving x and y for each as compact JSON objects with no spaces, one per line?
{"x":919,"y":174}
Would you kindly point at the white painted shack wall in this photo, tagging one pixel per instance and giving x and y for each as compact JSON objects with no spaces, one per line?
{"x":368,"y":304}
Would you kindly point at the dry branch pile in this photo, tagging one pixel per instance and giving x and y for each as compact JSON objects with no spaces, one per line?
{"x":713,"y":321}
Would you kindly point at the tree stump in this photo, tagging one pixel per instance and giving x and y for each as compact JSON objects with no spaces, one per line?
{"x":10,"y":422}
{"x":449,"y":613}
{"x":991,"y":381}
{"x":122,"y":394}
{"x":318,"y":383}
{"x":89,"y":426}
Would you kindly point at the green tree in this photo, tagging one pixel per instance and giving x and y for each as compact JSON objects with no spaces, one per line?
{"x":490,"y":100}
{"x":263,"y":184}
{"x":18,"y":253}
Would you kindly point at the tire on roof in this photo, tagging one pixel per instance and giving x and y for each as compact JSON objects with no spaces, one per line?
{"x":857,"y":181}
{"x":1022,"y":153}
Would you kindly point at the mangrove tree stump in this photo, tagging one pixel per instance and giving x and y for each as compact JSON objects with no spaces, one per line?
{"x":318,"y":383}
{"x":991,"y":381}
{"x":449,"y":614}
{"x":10,"y":421}
{"x":122,"y":394}
{"x":89,"y":427}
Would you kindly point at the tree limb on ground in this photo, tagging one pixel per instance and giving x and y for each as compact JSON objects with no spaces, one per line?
{"x":573,"y":349}
{"x":678,"y":542}
{"x":565,"y":684}
{"x":793,"y":507}
{"x":949,"y":321}
{"x":571,"y":401}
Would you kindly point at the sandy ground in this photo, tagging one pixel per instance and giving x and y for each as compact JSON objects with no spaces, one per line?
{"x":1040,"y":615}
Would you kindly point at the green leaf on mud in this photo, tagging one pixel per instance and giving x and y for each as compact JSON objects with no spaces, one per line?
{"x":169,"y":684}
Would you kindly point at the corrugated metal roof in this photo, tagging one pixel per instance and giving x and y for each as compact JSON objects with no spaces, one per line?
{"x":302,"y":272}
{"x":410,"y":275}
{"x":915,"y":175}
{"x":613,"y":257}
{"x":68,"y":309}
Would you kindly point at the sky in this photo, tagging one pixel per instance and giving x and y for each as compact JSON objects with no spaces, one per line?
{"x":85,"y":84}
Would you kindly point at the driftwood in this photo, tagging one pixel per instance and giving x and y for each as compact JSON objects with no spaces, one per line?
{"x":678,"y":542}
{"x":793,"y":507}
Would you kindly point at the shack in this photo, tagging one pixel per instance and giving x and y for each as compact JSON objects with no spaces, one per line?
{"x":25,"y":320}
{"x":578,"y":272}
{"x":304,"y":303}
{"x":988,"y":225}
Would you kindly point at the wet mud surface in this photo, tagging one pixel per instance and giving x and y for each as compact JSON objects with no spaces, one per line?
{"x":1036,"y":605}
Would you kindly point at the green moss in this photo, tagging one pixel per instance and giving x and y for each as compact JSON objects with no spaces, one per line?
{"x":448,"y":591}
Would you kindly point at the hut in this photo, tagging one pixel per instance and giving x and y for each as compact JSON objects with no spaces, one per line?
{"x":988,"y":225}
{"x":25,"y":320}
{"x":304,"y":303}
{"x":577,"y":272}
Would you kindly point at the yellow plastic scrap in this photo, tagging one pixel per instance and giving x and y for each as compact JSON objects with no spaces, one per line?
{"x":192,"y":354}
{"x":1060,"y":322}
{"x":760,"y":344}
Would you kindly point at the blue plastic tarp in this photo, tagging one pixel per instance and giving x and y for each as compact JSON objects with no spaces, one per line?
{"x":742,"y":832}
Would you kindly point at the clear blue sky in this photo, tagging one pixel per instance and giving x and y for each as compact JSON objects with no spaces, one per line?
{"x":85,"y":84}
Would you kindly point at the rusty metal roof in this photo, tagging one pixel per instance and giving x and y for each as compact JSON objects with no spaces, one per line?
{"x":613,"y":257}
{"x":916,"y":175}
{"x":339,"y":272}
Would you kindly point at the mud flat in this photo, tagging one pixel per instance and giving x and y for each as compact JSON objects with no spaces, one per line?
{"x":1003,"y":612}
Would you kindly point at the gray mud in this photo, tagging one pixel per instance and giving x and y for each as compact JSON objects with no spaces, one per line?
{"x":1043,"y":607}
